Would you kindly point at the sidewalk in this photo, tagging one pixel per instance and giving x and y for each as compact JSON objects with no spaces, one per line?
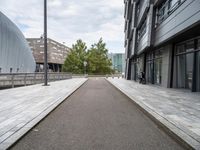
{"x":176,"y":110}
{"x":22,"y":108}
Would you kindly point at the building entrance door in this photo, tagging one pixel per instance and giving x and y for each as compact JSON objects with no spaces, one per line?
{"x":157,"y":71}
{"x":185,"y":70}
{"x":198,"y":72}
{"x":150,"y":72}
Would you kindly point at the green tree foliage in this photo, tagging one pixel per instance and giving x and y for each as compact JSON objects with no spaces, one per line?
{"x":98,"y":62}
{"x":75,"y":58}
{"x":96,"y":58}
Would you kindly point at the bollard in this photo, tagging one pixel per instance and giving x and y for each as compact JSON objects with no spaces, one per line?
{"x":34,"y":78}
{"x":25,"y":79}
{"x":12,"y":80}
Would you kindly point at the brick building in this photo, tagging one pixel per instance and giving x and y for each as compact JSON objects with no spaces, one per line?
{"x":57,"y":53}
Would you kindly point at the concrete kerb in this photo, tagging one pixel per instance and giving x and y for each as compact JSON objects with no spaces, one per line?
{"x":174,"y":131}
{"x":11,"y":140}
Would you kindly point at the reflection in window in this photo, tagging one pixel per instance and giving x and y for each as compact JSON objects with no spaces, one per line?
{"x":198,"y":71}
{"x":166,"y":8}
{"x":173,"y":4}
{"x":189,"y":67}
{"x":142,"y":30}
{"x":181,"y":69}
{"x":190,"y":46}
{"x":154,"y":67}
{"x":180,"y":48}
{"x":198,"y":44}
{"x":185,"y":53}
{"x":158,"y":67}
{"x":149,"y":71}
{"x":185,"y":69}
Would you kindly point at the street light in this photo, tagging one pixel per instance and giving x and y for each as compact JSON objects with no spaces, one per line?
{"x":45,"y":44}
{"x":85,"y":64}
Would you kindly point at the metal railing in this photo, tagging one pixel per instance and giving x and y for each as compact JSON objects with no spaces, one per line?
{"x":23,"y":79}
{"x":97,"y":75}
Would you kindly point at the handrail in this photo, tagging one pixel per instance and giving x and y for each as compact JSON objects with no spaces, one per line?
{"x":22,"y":79}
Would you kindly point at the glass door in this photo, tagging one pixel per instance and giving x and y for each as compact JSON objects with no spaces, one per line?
{"x":189,"y":70}
{"x":198,"y":72}
{"x":132,"y":71}
{"x":185,"y":70}
{"x":198,"y":66}
{"x":157,"y":71}
{"x":150,"y":71}
{"x":181,"y":71}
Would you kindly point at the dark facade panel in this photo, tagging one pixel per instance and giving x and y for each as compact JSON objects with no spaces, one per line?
{"x":182,"y":18}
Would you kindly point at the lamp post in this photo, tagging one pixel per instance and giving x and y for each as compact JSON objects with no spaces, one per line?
{"x":45,"y":44}
{"x":85,"y":64}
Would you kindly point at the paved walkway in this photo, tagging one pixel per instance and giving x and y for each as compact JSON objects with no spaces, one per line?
{"x":22,"y":108}
{"x":97,"y":117}
{"x":176,"y":109}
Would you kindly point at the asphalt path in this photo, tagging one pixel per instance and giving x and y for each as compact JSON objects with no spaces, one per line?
{"x":97,"y":117}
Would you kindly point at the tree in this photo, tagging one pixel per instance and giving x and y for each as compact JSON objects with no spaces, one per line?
{"x":75,"y":58}
{"x":98,"y":62}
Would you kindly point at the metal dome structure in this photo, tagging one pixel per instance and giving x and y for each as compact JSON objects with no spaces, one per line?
{"x":15,"y":54}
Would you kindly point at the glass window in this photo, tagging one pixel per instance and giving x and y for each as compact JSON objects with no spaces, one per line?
{"x":190,"y":46}
{"x":198,"y":44}
{"x":150,"y":56}
{"x":142,"y":30}
{"x":184,"y":70}
{"x":158,"y":53}
{"x":181,"y":69}
{"x":189,"y":67}
{"x":157,"y":71}
{"x":161,"y":14}
{"x":137,"y":70}
{"x":173,"y":4}
{"x":149,"y":72}
{"x":198,"y":71}
{"x":166,"y":9}
{"x":180,"y":48}
{"x":132,"y":71}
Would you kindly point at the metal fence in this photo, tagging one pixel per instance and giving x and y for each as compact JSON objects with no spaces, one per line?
{"x":23,"y":79}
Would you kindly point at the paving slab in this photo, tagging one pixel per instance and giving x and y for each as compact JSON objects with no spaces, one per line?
{"x":97,"y":117}
{"x":177,"y":110}
{"x":22,"y":108}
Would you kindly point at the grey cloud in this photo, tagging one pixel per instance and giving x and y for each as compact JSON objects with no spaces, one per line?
{"x":69,"y":20}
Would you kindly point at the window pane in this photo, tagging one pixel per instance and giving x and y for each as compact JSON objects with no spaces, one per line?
{"x":198,"y":44}
{"x":157,"y":71}
{"x":190,"y":46}
{"x":180,"y":49}
{"x":198,"y":72}
{"x":150,"y":72}
{"x":173,"y":3}
{"x":189,"y":65}
{"x":158,"y":53}
{"x":181,"y":71}
{"x":185,"y":70}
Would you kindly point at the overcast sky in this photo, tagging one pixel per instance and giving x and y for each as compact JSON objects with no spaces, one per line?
{"x":69,"y":20}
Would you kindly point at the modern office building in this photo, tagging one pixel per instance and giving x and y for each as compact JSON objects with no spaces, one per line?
{"x":118,"y":61}
{"x":57,"y":53}
{"x":162,"y":39}
{"x":15,"y":54}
